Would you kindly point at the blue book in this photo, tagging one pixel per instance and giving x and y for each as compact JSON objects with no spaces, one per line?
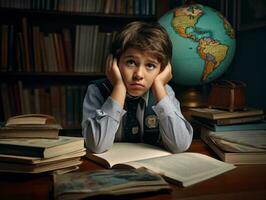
{"x":260,"y":125}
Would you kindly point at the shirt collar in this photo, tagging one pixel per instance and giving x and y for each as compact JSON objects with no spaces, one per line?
{"x":144,"y":97}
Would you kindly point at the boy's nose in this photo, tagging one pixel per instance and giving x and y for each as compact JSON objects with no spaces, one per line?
{"x":138,"y":74}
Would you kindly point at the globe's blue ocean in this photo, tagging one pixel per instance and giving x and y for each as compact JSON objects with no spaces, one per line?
{"x":188,"y":64}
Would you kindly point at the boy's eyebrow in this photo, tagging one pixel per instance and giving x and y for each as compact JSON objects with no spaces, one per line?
{"x":150,"y":60}
{"x":130,"y":56}
{"x":154,"y":61}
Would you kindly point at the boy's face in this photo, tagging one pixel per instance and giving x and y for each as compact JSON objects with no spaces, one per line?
{"x":138,"y":69}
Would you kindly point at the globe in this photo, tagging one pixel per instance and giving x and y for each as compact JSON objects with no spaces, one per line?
{"x":203,"y":43}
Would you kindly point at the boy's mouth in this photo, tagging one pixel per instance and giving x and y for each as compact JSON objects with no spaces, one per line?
{"x":137,"y":85}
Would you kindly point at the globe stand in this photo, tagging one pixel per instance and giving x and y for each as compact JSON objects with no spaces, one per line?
{"x":191,"y":97}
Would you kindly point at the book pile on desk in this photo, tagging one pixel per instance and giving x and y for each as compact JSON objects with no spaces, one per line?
{"x":34,"y":146}
{"x":237,"y":137}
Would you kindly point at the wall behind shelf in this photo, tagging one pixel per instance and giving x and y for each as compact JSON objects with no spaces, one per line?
{"x":249,"y":65}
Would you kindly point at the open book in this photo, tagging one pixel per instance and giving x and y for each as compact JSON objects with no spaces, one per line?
{"x":184,"y":168}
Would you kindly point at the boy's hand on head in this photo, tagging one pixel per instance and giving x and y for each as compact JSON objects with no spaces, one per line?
{"x":160,"y":81}
{"x":112,"y":71}
{"x":164,"y":76}
{"x":114,"y":76}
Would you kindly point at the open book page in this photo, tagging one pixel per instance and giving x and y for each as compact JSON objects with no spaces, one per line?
{"x":256,"y":138}
{"x":126,"y":152}
{"x":185,"y":168}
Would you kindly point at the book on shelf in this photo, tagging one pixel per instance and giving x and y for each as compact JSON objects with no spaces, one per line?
{"x":215,"y":114}
{"x":259,"y":125}
{"x":30,"y":126}
{"x":232,"y":152}
{"x":183,"y":169}
{"x":45,"y":148}
{"x":80,"y":185}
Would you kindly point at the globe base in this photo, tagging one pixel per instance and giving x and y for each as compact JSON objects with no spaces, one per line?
{"x":192,"y":97}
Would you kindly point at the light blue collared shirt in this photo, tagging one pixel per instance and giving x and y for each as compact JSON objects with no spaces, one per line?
{"x":103,"y":119}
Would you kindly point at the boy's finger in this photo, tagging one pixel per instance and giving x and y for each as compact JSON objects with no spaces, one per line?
{"x":108,"y":63}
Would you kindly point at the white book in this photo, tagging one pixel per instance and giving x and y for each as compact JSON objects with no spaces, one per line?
{"x":184,"y":168}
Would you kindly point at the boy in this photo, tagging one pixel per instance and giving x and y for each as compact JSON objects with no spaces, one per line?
{"x":134,"y":103}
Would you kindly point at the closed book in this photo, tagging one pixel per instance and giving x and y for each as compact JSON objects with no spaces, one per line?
{"x":31,"y":126}
{"x":34,"y":131}
{"x":215,"y":114}
{"x":239,"y":158}
{"x":40,"y":168}
{"x":255,"y":139}
{"x":30,"y":119}
{"x":39,"y":160}
{"x":235,"y":127}
{"x":230,"y":121}
{"x":45,"y":148}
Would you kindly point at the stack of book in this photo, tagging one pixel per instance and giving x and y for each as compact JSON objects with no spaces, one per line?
{"x":31,"y":144}
{"x":237,"y":137}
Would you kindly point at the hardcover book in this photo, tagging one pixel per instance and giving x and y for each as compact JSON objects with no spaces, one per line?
{"x":231,"y":121}
{"x":234,"y":153}
{"x":30,"y":119}
{"x":38,"y":168}
{"x":80,"y":185}
{"x":30,"y":126}
{"x":184,"y":169}
{"x":44,"y":148}
{"x":38,"y":160}
{"x":215,"y":114}
{"x":248,"y":138}
{"x":233,"y":127}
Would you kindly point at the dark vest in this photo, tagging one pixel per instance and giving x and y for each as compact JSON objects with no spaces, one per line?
{"x":151,"y":125}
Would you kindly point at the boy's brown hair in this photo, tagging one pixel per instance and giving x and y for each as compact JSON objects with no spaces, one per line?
{"x":150,"y":37}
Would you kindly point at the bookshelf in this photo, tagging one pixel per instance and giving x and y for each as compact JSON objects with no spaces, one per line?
{"x":51,"y":49}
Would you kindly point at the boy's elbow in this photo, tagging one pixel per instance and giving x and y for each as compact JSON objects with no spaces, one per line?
{"x":179,"y":148}
{"x":96,"y":148}
{"x":181,"y":144}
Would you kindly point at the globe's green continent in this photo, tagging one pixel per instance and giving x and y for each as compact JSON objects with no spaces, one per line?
{"x":203,"y":43}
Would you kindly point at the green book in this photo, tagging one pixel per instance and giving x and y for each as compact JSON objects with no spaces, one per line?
{"x":44,"y":148}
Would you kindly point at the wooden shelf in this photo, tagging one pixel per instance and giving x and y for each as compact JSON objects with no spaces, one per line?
{"x":88,"y":16}
{"x":19,"y":87}
{"x":82,"y":77}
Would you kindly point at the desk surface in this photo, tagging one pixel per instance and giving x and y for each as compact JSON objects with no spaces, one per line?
{"x":244,"y":182}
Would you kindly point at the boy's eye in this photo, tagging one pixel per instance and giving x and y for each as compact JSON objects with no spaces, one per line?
{"x":130,"y":63}
{"x":150,"y":66}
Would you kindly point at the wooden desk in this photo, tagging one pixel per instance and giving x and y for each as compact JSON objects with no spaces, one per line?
{"x":244,"y":182}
